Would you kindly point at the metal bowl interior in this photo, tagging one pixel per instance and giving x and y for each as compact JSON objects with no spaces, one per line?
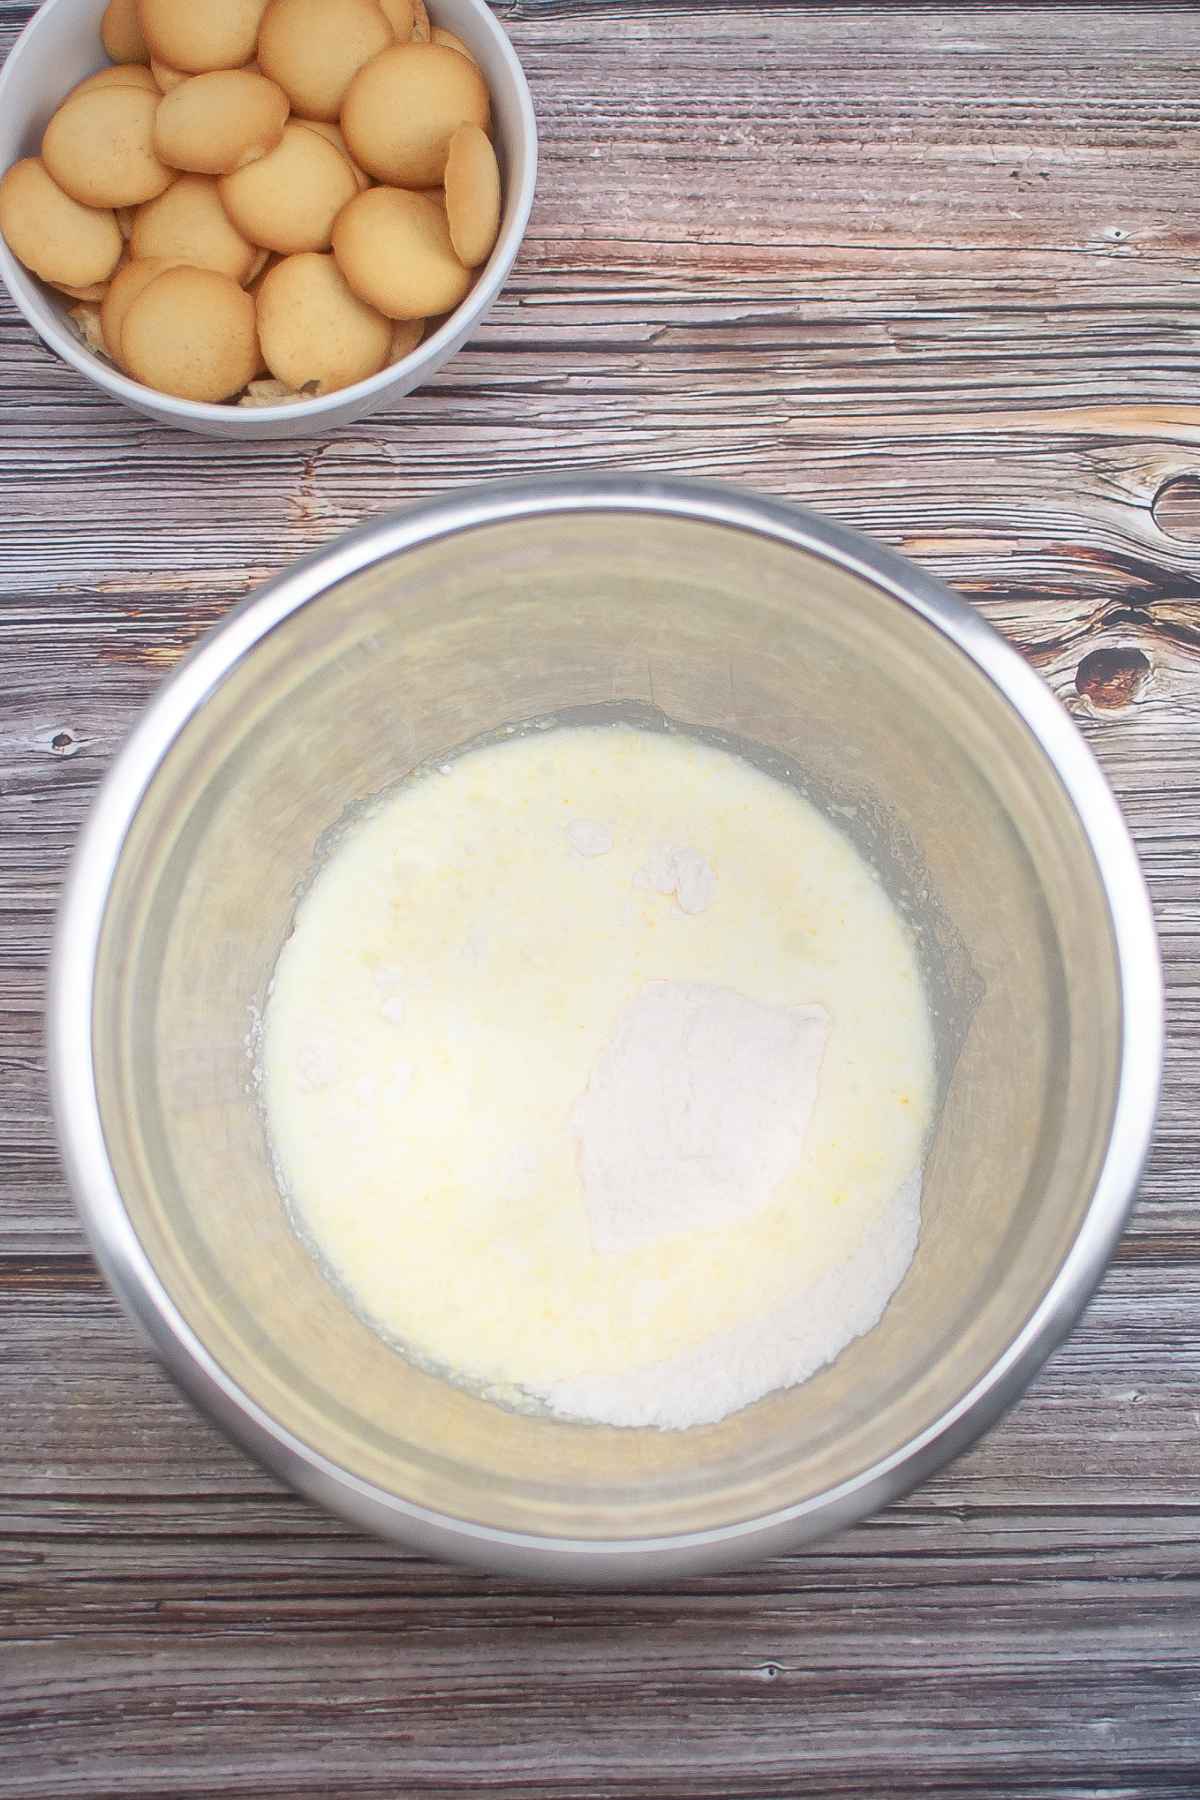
{"x":845,"y":671}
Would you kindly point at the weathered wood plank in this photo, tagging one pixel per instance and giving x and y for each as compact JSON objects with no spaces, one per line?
{"x":933,"y":269}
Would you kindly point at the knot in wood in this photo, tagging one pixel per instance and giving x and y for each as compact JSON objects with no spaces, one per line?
{"x":1112,"y":677}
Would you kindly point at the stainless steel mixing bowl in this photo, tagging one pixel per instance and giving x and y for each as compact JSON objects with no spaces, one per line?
{"x":836,"y":664}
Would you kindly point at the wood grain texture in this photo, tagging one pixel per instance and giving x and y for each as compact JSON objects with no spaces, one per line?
{"x":934,"y":269}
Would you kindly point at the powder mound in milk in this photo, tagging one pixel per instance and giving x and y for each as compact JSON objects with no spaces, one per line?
{"x":695,"y":1111}
{"x":777,"y":1349}
{"x":677,"y":869}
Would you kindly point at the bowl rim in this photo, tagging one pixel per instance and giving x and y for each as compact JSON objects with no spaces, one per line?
{"x":127,"y":1267}
{"x":456,"y":325}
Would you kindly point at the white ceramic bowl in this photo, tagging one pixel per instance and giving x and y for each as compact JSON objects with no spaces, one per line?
{"x":61,"y":44}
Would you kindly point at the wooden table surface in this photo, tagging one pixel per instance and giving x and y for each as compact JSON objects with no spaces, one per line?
{"x":934,"y":269}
